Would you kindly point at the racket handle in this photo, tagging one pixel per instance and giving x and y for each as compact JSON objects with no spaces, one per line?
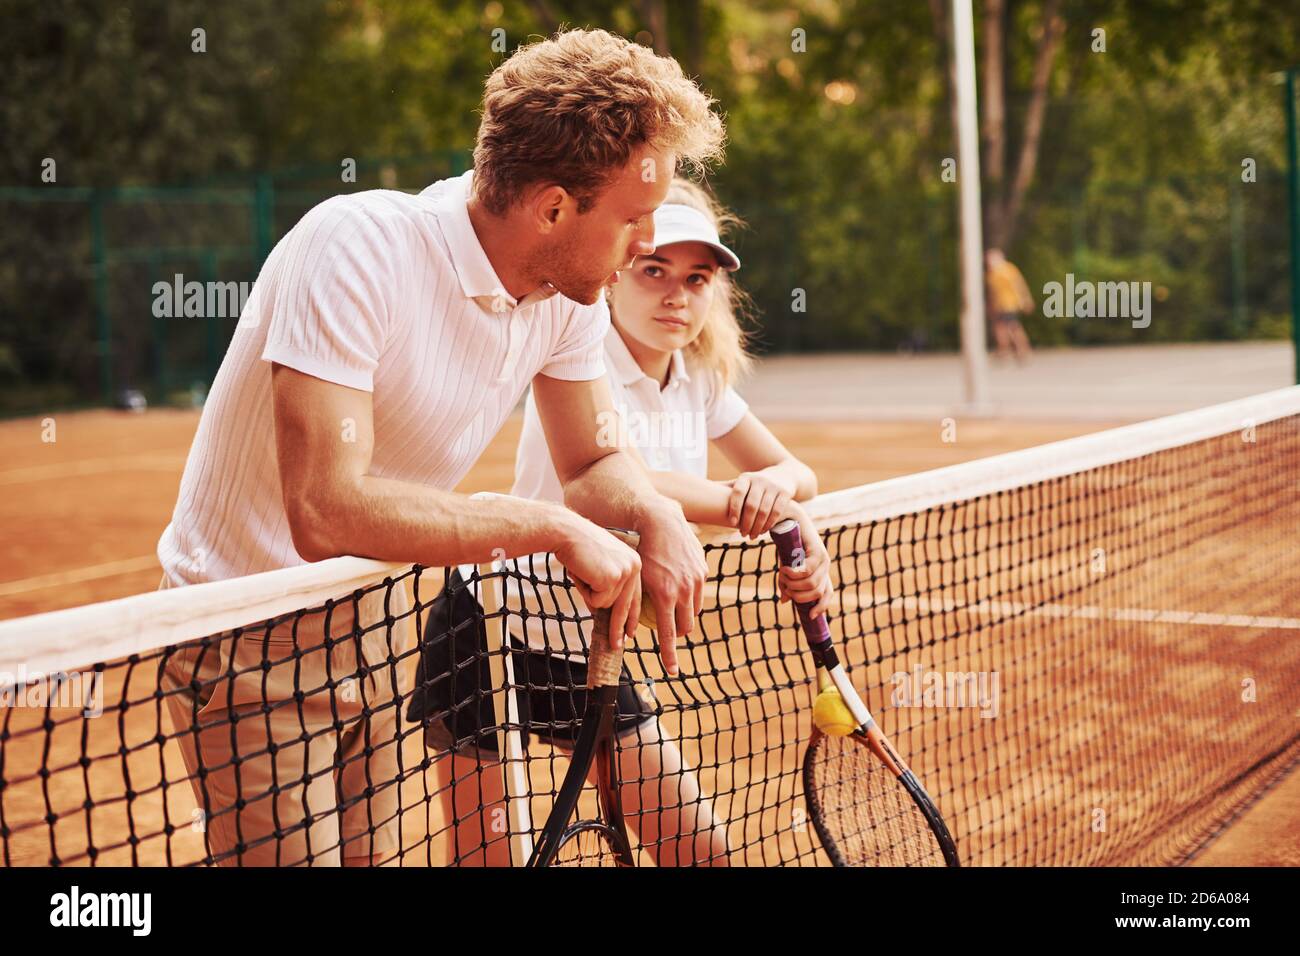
{"x":604,"y":663}
{"x":789,"y":546}
{"x":629,"y":538}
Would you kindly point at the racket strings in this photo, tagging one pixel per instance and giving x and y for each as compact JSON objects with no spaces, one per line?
{"x":866,"y":811}
{"x":590,"y":846}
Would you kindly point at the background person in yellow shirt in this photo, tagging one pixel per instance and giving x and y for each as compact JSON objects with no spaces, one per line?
{"x":1008,"y":296}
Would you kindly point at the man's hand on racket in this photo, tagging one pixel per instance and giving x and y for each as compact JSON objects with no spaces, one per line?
{"x":606,"y":572}
{"x":672,"y":573}
{"x":811,"y":583}
{"x":757,"y":502}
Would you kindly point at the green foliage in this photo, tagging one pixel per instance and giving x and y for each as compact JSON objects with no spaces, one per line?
{"x":834,"y":159}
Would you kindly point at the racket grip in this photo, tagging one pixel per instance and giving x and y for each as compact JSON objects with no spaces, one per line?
{"x":629,"y":538}
{"x":789,"y":546}
{"x":604,"y":663}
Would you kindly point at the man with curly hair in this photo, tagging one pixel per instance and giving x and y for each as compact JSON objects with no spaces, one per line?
{"x":386,"y":340}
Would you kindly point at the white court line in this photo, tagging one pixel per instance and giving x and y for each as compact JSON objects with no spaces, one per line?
{"x":92,"y":573}
{"x":1089,"y":612}
{"x":91,"y":466}
{"x":1004,"y":609}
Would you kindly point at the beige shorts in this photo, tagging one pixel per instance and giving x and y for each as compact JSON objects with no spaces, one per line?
{"x":281,"y":723}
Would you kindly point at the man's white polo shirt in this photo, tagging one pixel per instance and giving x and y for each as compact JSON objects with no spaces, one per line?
{"x":387,"y":293}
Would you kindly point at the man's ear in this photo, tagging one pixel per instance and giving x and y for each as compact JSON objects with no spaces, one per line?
{"x":547,"y":206}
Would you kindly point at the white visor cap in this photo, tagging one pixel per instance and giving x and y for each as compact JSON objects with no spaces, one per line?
{"x":675,"y":222}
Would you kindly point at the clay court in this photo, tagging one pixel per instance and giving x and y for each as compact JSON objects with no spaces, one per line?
{"x":85,"y":509}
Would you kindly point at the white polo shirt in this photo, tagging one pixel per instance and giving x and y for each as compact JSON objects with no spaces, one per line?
{"x":386,"y":293}
{"x":670,"y":426}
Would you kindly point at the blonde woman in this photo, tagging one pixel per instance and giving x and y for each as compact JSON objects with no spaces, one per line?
{"x":672,"y":354}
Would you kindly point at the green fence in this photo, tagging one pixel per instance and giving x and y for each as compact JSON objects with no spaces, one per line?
{"x":78,"y":268}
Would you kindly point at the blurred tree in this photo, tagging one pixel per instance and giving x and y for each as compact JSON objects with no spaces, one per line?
{"x":116,"y":93}
{"x":1124,"y":164}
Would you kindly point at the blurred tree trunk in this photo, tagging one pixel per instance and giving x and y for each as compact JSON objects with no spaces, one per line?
{"x":692,"y":60}
{"x":1048,"y":41}
{"x":946,"y":64}
{"x":994,"y":126}
{"x":1003,"y":204}
{"x":655,"y":17}
{"x":542,"y":10}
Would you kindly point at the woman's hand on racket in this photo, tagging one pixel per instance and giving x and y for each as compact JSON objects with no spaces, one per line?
{"x":811,"y":582}
{"x":757,"y":502}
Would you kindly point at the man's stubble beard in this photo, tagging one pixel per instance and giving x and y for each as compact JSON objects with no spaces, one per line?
{"x":555,"y":266}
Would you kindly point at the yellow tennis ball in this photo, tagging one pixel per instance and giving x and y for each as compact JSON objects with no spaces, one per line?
{"x":831,"y":714}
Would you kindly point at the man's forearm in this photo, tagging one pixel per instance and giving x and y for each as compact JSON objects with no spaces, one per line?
{"x":615,"y":491}
{"x":399,"y":521}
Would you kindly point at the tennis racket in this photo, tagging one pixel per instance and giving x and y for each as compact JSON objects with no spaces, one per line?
{"x":867,"y":807}
{"x":601,"y":841}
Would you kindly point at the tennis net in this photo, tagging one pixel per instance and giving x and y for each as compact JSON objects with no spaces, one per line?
{"x":1088,"y":651}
